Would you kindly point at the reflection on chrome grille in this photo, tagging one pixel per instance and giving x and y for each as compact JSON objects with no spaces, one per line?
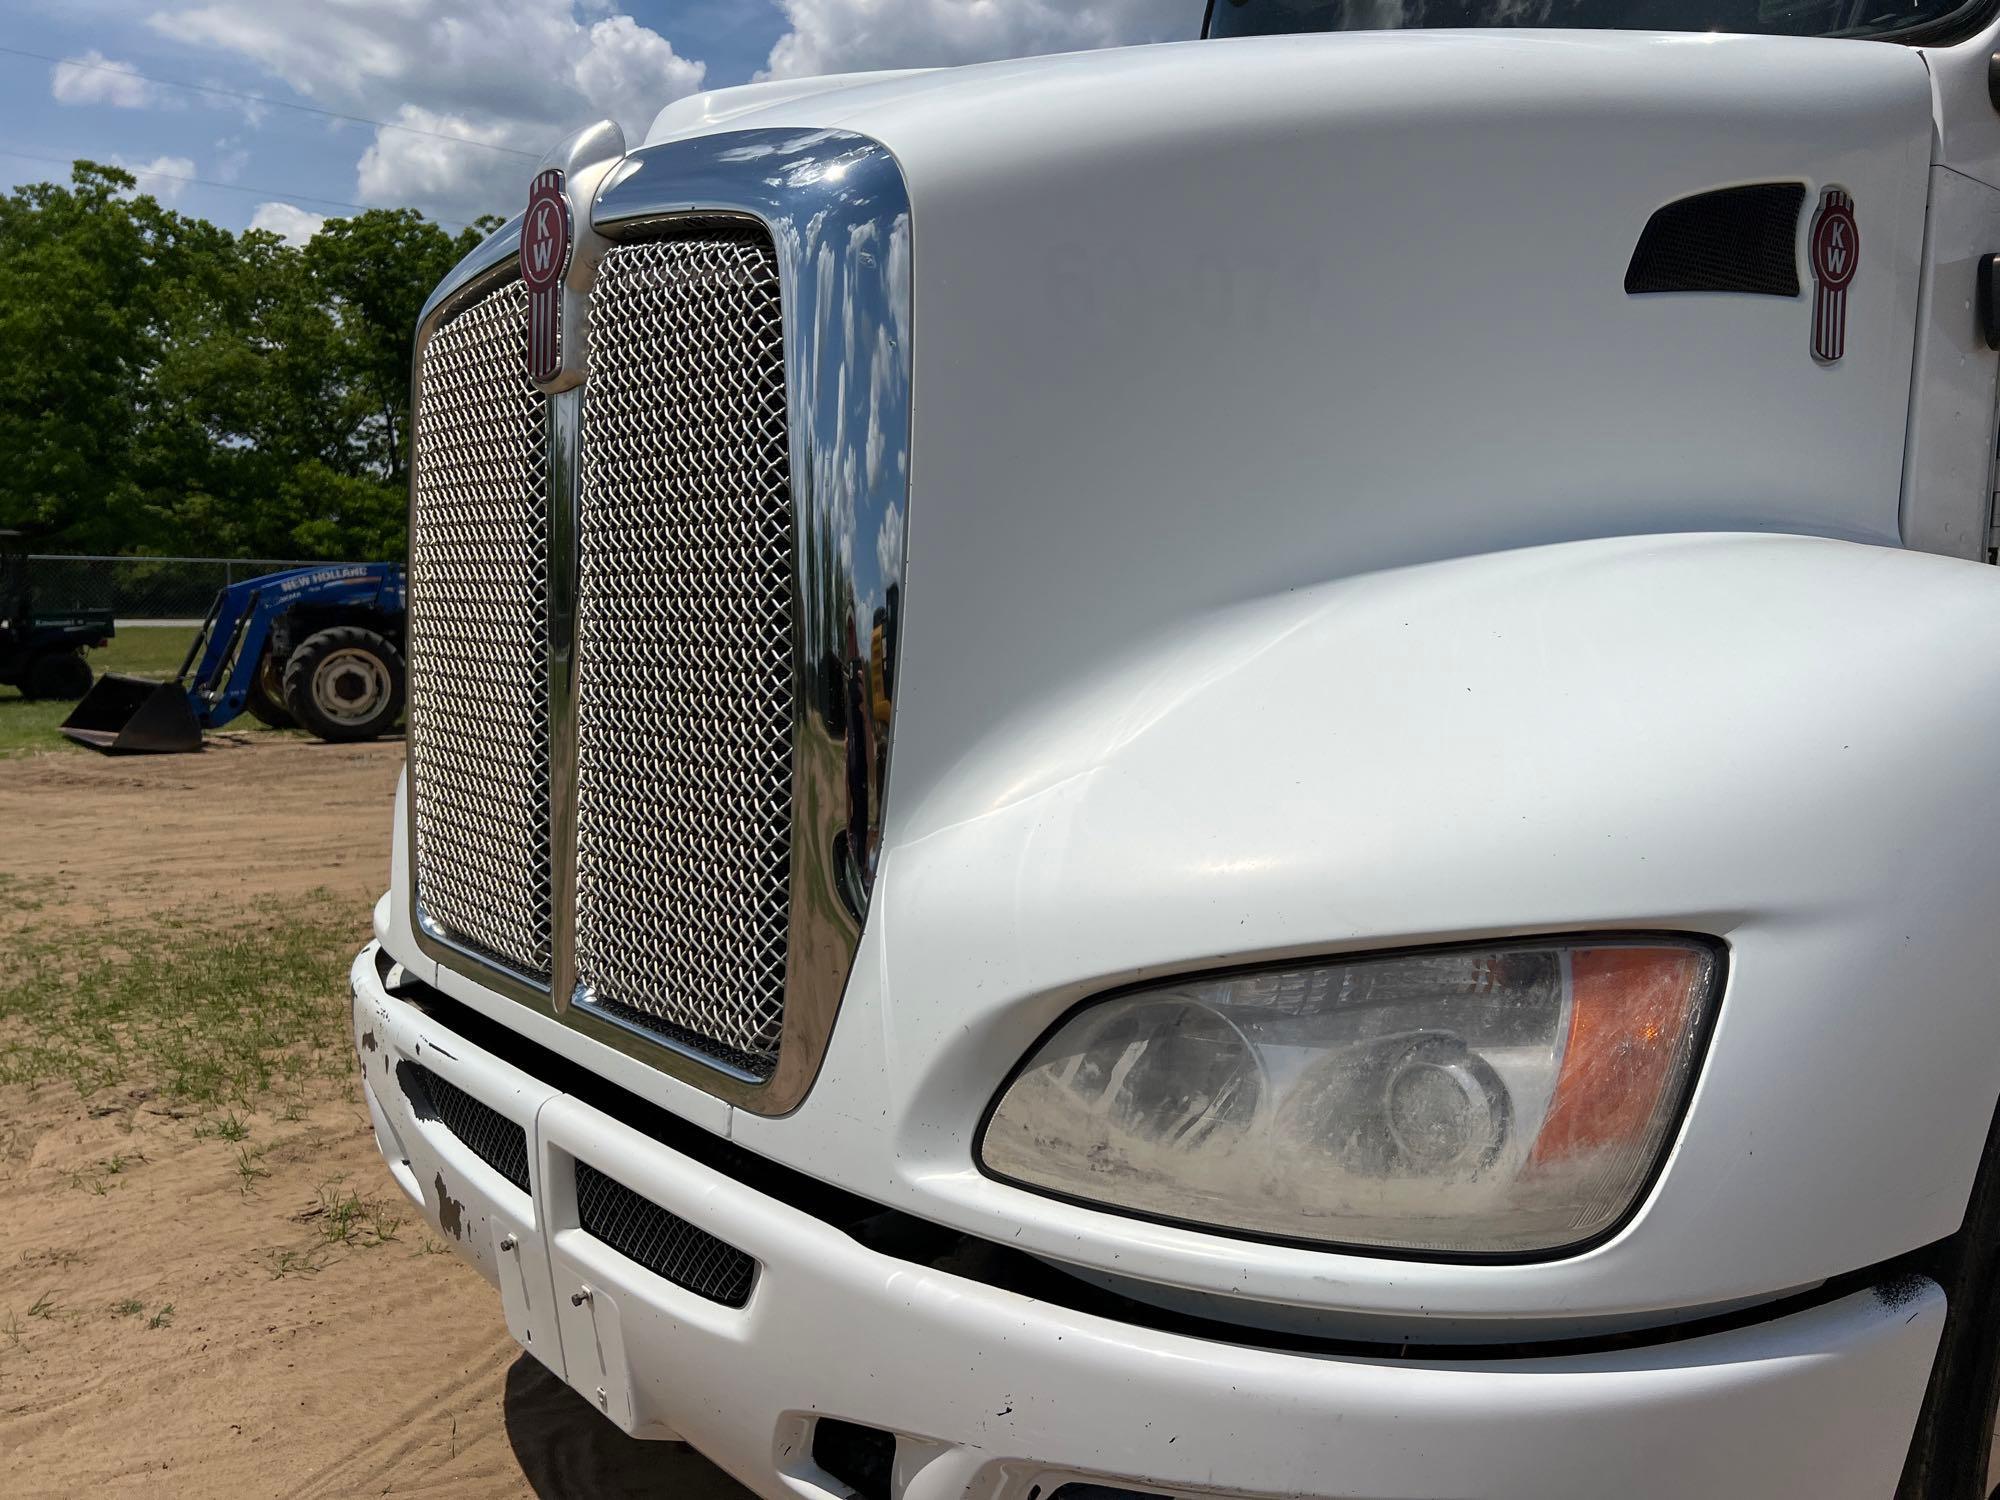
{"x":684,"y":618}
{"x":662,"y":1242}
{"x":479,"y":723}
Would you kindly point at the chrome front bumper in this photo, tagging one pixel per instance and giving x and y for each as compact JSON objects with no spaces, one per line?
{"x":1000,"y":1396}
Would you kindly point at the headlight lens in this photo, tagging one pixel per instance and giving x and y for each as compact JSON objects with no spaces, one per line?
{"x":1504,"y":1100}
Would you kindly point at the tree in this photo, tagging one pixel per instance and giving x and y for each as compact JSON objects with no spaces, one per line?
{"x":82,"y":271}
{"x":166,"y":386}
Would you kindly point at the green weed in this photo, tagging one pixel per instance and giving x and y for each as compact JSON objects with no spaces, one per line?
{"x":249,"y":1167}
{"x":229,"y":1128}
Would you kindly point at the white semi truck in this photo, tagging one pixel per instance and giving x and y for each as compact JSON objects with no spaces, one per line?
{"x":1253,"y":768}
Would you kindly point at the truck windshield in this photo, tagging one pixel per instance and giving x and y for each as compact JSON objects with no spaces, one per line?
{"x":1771,"y":17}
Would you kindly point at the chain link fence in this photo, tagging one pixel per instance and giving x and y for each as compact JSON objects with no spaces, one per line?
{"x":137,"y":589}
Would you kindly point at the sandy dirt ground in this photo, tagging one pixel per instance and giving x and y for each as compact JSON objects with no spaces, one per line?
{"x":288,"y":1364}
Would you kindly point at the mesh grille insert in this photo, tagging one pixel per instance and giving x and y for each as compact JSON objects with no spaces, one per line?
{"x":478,"y":624}
{"x":487,"y":1134}
{"x":664,"y":1243}
{"x":1741,"y":239}
{"x":685,"y":646}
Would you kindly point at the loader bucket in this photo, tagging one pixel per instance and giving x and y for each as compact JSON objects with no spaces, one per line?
{"x":134,"y":716}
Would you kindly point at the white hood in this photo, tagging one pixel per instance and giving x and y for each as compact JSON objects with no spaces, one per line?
{"x":1223,"y":319}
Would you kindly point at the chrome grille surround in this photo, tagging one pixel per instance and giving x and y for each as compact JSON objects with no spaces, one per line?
{"x":479,"y":706}
{"x":836,"y":213}
{"x":685,"y":645}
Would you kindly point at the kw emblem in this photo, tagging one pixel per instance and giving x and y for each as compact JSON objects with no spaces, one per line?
{"x":1835,"y":251}
{"x":545,"y":245}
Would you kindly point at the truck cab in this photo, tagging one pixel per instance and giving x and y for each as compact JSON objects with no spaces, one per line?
{"x":1257,"y":767}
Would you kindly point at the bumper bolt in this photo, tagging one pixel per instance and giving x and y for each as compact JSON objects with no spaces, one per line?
{"x":508,"y":1242}
{"x":580,"y":1296}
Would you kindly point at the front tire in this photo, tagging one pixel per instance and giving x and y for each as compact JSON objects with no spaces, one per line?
{"x":60,"y":675}
{"x":266,"y":700}
{"x":345,"y":684}
{"x":1956,"y":1455}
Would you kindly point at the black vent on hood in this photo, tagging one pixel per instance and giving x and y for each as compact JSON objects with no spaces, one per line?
{"x":1740,"y":239}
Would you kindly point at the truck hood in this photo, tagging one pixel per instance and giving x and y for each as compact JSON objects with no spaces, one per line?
{"x":1194,"y":325}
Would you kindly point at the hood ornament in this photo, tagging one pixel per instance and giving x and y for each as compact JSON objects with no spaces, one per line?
{"x":560,"y":251}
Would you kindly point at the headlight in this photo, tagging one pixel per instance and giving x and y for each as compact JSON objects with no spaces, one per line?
{"x":1503,"y":1100}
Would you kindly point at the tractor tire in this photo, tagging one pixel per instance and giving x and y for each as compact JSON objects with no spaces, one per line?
{"x":61,"y":675}
{"x":345,"y":684}
{"x":266,"y":700}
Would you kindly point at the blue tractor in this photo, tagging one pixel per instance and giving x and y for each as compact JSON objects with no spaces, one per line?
{"x":318,"y":647}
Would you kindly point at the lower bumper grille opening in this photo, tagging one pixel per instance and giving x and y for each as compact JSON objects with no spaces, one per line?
{"x":664,"y":1243}
{"x":486,"y":1133}
{"x":862,"y":1458}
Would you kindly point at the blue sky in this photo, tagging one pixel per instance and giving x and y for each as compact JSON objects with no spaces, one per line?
{"x":459,"y":96}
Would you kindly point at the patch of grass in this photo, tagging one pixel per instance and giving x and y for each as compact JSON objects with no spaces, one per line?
{"x":163,"y":1317}
{"x":44,"y":1306}
{"x":18,"y":895}
{"x":61,"y":1256}
{"x":344,"y":1217}
{"x":85,"y":1180}
{"x":249,"y":1168}
{"x":210,"y":1016}
{"x":95,"y":1178}
{"x":11,"y":1331}
{"x":145,"y":650}
{"x":229,"y":1128}
{"x":283,"y":1263}
{"x":127,"y":1307}
{"x":27,"y":725}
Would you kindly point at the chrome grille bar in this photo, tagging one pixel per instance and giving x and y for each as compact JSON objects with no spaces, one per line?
{"x":685,"y":646}
{"x":479,"y":721}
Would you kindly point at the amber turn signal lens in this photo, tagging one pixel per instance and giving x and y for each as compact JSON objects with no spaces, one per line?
{"x":1629,"y":1011}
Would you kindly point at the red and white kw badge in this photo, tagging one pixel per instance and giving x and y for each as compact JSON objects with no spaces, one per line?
{"x":1834,"y":248}
{"x":545,"y":246}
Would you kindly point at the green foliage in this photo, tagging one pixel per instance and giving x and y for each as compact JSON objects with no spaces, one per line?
{"x":168,"y":387}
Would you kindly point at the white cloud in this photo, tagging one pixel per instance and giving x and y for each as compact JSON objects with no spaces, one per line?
{"x":95,"y":79}
{"x":161,"y":176}
{"x":629,"y":73}
{"x":518,"y":76}
{"x":441,"y":169}
{"x":845,"y":36}
{"x":289,"y":222}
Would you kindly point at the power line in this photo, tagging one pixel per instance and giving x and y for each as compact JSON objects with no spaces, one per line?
{"x":227,"y":187}
{"x":308,"y":109}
